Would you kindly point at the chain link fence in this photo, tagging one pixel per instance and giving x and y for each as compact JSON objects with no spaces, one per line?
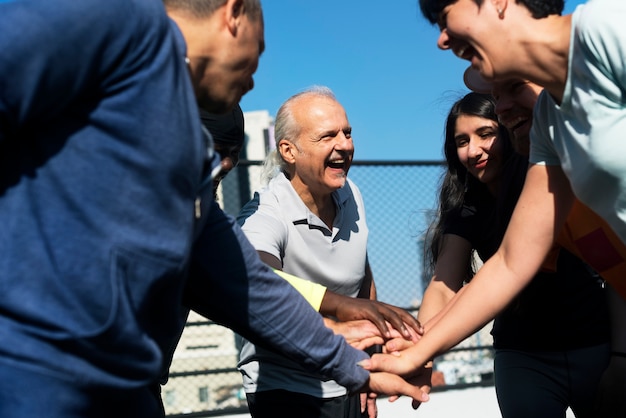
{"x":400,"y":199}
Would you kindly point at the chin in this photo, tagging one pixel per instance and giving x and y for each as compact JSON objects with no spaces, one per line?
{"x":338,"y":183}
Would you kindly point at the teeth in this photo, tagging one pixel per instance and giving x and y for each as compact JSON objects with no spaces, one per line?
{"x":460,"y":52}
{"x":512,"y":123}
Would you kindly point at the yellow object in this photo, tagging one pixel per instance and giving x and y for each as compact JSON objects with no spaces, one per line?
{"x":312,"y":292}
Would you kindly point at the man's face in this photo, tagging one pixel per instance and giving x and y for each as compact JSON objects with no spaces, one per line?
{"x":222,"y":71}
{"x":323,"y":151}
{"x":471,"y":32}
{"x":515,"y":102}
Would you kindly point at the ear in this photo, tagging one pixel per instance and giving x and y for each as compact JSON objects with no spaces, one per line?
{"x":287,"y":151}
{"x":234,"y":13}
{"x":500,"y":6}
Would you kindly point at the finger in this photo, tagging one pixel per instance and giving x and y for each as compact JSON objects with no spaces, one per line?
{"x":366,"y":343}
{"x":397,"y":344}
{"x":372,"y":408}
{"x":408,"y":319}
{"x":415,"y":404}
{"x":393,"y":385}
{"x":393,"y":317}
{"x":379,"y":319}
{"x":363,"y":399}
{"x":407,"y":389}
{"x":397,"y":364}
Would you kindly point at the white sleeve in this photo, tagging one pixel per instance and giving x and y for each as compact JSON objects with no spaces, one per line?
{"x":542,"y":149}
{"x":261,"y":222}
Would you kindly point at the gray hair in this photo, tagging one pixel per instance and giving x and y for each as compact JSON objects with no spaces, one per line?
{"x":205,"y":8}
{"x":286,"y":127}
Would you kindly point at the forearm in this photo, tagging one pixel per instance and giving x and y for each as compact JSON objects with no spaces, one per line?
{"x":231,"y":285}
{"x":448,"y":277}
{"x":545,"y":202}
{"x":475,"y":305}
{"x":434,"y":302}
{"x":434,"y":319}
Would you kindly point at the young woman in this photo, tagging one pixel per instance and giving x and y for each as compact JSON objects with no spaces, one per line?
{"x":552,"y":341}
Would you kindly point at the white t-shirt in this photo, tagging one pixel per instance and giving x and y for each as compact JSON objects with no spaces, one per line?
{"x":586,"y":134}
{"x":276,"y":221}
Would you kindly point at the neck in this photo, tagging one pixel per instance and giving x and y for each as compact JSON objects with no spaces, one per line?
{"x":548,"y":56}
{"x":320,"y":204}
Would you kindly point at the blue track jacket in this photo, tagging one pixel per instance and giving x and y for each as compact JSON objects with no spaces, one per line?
{"x":102,"y":161}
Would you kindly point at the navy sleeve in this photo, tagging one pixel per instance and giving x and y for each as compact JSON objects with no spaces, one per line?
{"x":230,"y":285}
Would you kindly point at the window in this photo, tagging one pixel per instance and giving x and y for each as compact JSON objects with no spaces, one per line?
{"x":203,"y":394}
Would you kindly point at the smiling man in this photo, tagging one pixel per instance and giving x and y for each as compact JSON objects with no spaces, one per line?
{"x":309,"y":221}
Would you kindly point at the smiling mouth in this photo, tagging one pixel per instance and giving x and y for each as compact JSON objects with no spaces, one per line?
{"x":459,"y":52}
{"x":514,"y":123}
{"x":465,"y":52}
{"x":481,"y":164}
{"x":337,"y":164}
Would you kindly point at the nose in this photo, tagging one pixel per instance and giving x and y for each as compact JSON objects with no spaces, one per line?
{"x":474,"y":148}
{"x":503,"y":104}
{"x":443,"y":42}
{"x":344,"y":143}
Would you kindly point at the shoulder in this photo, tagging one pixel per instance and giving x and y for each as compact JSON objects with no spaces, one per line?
{"x":268,"y":206}
{"x":119,"y":16}
{"x":543,"y":111}
{"x":599,"y":27}
{"x":97,"y":34}
{"x":545,"y":118}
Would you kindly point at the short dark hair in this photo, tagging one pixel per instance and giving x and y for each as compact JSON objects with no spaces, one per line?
{"x":205,"y":8}
{"x":431,"y":9}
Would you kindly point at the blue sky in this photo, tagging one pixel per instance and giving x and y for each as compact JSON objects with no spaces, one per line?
{"x":380,"y":59}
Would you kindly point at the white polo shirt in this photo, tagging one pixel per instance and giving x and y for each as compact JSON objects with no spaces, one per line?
{"x":276,"y":221}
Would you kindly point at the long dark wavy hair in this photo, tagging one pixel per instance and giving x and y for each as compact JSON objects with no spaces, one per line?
{"x":458,"y":185}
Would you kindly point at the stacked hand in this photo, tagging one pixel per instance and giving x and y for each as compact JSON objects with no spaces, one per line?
{"x":382,"y":315}
{"x":395,"y":361}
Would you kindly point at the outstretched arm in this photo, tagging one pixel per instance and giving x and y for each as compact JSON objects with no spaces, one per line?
{"x":345,"y":308}
{"x":449,"y":275}
{"x":538,"y":217}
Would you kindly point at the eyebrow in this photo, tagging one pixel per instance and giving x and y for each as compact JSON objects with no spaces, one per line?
{"x":484,"y":128}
